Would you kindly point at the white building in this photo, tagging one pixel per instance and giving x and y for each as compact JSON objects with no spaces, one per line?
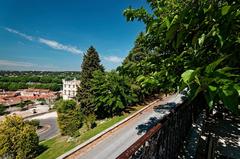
{"x":70,"y":88}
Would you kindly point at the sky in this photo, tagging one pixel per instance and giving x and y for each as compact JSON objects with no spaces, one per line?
{"x":53,"y":35}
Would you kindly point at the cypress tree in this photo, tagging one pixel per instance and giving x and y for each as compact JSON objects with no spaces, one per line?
{"x":91,"y":63}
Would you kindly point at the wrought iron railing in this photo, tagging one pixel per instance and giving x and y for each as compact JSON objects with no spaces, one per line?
{"x":164,"y":140}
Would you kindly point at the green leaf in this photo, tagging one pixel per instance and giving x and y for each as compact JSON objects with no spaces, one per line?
{"x":212,"y":66}
{"x":179,"y":38}
{"x":238,"y":40}
{"x":119,"y":104}
{"x":212,"y":88}
{"x":167,"y":22}
{"x":205,"y":10}
{"x":194,"y":92}
{"x":210,"y":95}
{"x":230,"y":97}
{"x":220,"y":39}
{"x":237,"y":87}
{"x":225,"y":69}
{"x":201,"y":39}
{"x":209,"y":100}
{"x":171,"y":32}
{"x":225,"y":9}
{"x":187,"y":76}
{"x":175,"y":18}
{"x":140,"y":78}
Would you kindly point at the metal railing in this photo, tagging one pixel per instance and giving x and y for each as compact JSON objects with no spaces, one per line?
{"x":165,"y":139}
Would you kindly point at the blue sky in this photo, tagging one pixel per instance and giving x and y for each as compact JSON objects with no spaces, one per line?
{"x":53,"y":34}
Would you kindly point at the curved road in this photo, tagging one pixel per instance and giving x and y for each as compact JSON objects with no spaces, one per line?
{"x":118,"y":140}
{"x":48,"y":120}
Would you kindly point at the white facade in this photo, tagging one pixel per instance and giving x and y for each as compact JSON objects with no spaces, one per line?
{"x":70,"y":88}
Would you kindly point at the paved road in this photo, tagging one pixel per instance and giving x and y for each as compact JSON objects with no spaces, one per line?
{"x":120,"y":139}
{"x":27,"y":113}
{"x":48,"y":120}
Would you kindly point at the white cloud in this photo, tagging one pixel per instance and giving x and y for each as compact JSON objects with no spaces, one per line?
{"x":19,"y":65}
{"x":58,"y":46}
{"x":15,"y":63}
{"x":19,"y":33}
{"x":51,"y":43}
{"x":114,"y":59}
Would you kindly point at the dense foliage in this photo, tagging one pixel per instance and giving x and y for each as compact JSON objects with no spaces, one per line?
{"x":220,"y":87}
{"x":111,"y":93}
{"x":70,"y":119}
{"x":18,"y":139}
{"x":182,"y":35}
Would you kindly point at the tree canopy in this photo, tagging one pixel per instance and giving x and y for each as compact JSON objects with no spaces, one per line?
{"x":182,"y":35}
{"x":18,"y":139}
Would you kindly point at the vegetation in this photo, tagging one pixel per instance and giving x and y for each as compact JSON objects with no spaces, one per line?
{"x":216,"y":85}
{"x":70,"y":119}
{"x":2,"y":109}
{"x":35,"y":123}
{"x":111,"y":93}
{"x":12,"y":81}
{"x":23,"y":104}
{"x":18,"y":139}
{"x":191,"y":36}
{"x":194,"y":43}
{"x":183,"y":35}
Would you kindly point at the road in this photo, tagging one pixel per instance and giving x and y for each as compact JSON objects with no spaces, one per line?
{"x":49,"y":122}
{"x":117,"y":141}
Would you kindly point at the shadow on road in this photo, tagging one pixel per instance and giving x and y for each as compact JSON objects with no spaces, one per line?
{"x":163,"y":110}
{"x":142,"y":128}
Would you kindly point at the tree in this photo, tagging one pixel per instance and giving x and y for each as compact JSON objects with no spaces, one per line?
{"x":70,"y":118}
{"x":112,"y":93}
{"x":18,"y":139}
{"x":91,"y":63}
{"x":184,"y":34}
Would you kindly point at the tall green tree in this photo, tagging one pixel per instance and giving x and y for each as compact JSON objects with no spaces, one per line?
{"x":91,"y":63}
{"x":18,"y":139}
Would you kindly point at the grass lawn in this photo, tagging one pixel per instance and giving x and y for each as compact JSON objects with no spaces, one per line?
{"x":58,"y":145}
